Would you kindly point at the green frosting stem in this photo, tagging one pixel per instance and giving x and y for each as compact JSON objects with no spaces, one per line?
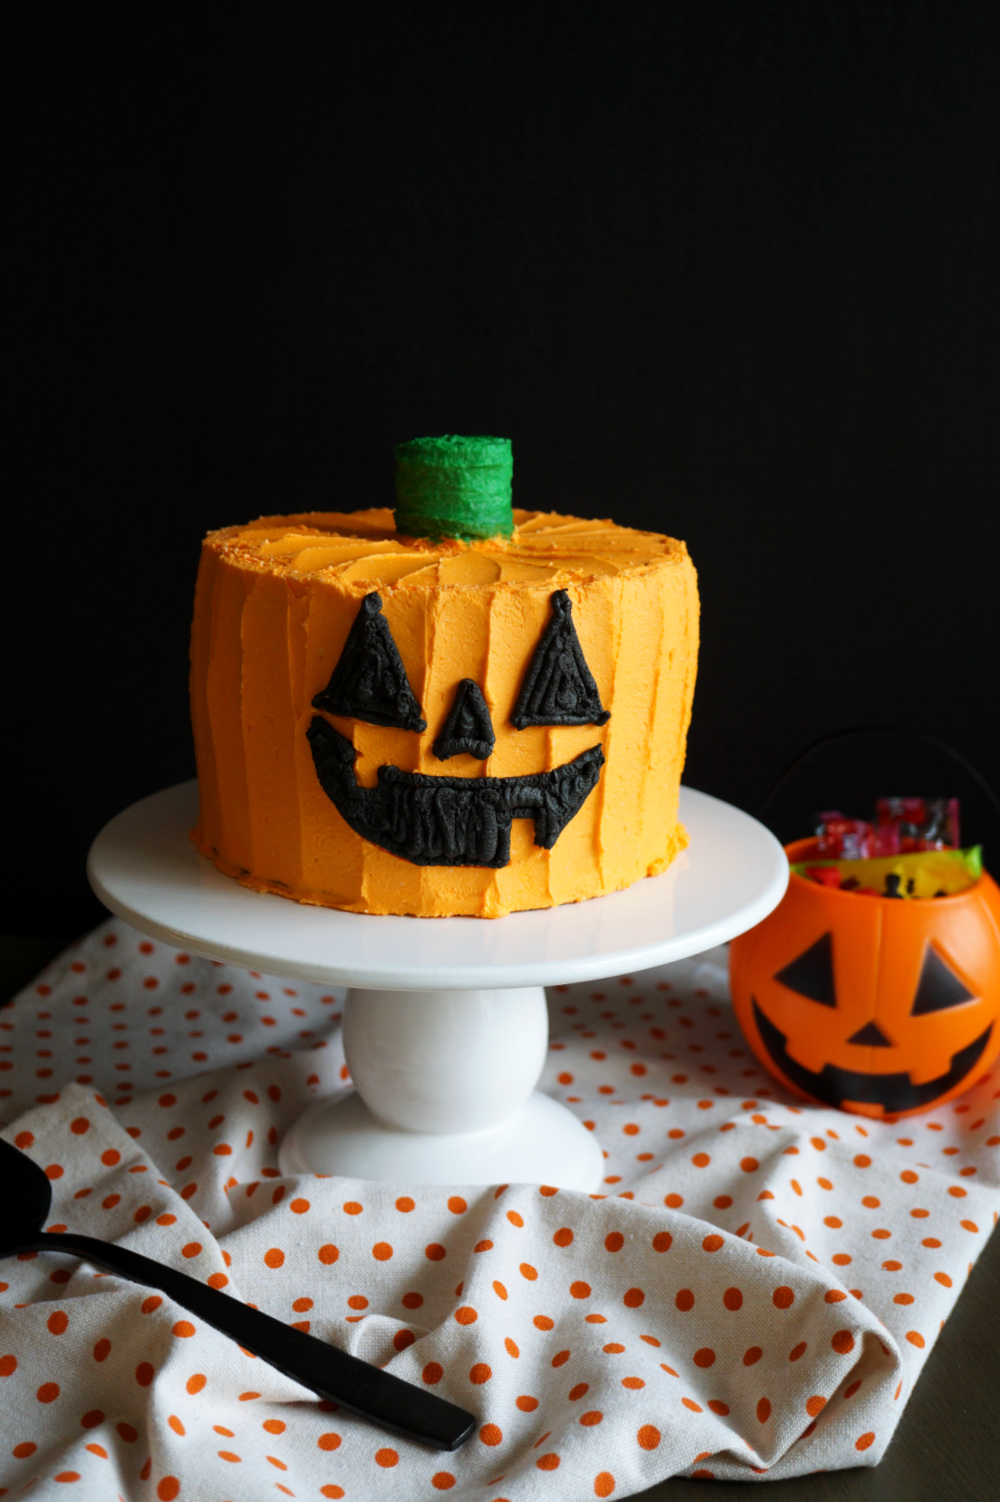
{"x":454,"y":487}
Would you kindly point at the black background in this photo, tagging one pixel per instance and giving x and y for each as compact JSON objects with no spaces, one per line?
{"x":726,"y":271}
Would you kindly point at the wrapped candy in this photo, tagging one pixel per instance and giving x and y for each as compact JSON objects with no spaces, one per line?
{"x":919,"y":823}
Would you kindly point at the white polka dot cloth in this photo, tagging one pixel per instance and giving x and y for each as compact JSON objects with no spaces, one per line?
{"x":754,"y":1295}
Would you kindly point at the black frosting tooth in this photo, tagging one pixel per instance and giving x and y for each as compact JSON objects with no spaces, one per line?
{"x":449,"y":821}
{"x":559,"y":688}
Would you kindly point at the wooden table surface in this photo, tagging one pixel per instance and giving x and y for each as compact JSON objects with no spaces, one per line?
{"x":947,"y":1446}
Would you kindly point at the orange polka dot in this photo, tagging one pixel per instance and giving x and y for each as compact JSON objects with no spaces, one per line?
{"x":57,"y":1323}
{"x":176,"y":1424}
{"x":529,"y":1272}
{"x":662,"y":1241}
{"x":733,"y":1299}
{"x":274,"y":1257}
{"x":563,"y":1237}
{"x":685,"y":1300}
{"x":432,"y":1373}
{"x":329,"y":1441}
{"x":435,"y":1252}
{"x":580,"y":1290}
{"x":916,"y":1339}
{"x":943,"y":1279}
{"x":386,"y":1458}
{"x":749,"y":1165}
{"x":55,"y":1170}
{"x":491,"y":1434}
{"x":405,"y":1204}
{"x":648,"y":1437}
{"x":903,"y":1298}
{"x":815,"y":1405}
{"x":751,"y":1357}
{"x":442,"y":1480}
{"x":764,"y":1410}
{"x":110,"y":1157}
{"x":542,"y":1322}
{"x":480,"y":1372}
{"x":79,"y":1126}
{"x":862,"y":1161}
{"x":694,"y":1407}
{"x":614,"y":1242}
{"x":499,"y":1289}
{"x":864,"y":1441}
{"x":514,"y":1218}
{"x":299,"y":1206}
{"x":328,"y":1254}
{"x":8,"y":1365}
{"x":382,"y":1251}
{"x":633,"y":1383}
{"x":331,"y":1490}
{"x":712,"y":1243}
{"x":351,"y":1207}
{"x":604,"y":1484}
{"x":102,"y":1349}
{"x":561,"y":1357}
{"x":548,"y":1462}
{"x":634,"y":1297}
{"x":168,"y":1488}
{"x":466,"y":1315}
{"x":797,"y":1351}
{"x":184,"y":1329}
{"x":783,"y":1297}
{"x":841,"y":1259}
{"x":193,"y":1249}
{"x":824,"y":1183}
{"x":850,"y":1391}
{"x":48,"y":1392}
{"x":843,"y":1342}
{"x":526,"y":1403}
{"x":23,"y":1450}
{"x":704,"y":1357}
{"x":673,"y":1201}
{"x":357,"y":1301}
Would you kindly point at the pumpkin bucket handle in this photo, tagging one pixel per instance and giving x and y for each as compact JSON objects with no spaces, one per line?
{"x":871,"y":729}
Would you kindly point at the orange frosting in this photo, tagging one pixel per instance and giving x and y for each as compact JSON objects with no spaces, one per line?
{"x":274,"y":604}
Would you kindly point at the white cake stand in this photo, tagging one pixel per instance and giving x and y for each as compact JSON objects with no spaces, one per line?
{"x":445,"y":1025}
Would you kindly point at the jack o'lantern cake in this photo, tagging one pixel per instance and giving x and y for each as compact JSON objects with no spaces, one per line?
{"x":392,"y":719}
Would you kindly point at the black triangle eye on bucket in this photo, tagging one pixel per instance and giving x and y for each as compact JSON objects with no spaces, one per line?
{"x":25,"y":1202}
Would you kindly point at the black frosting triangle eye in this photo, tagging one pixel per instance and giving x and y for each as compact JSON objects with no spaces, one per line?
{"x":559,"y":688}
{"x":468,"y":726}
{"x":369,"y":682}
{"x":938,"y":987}
{"x":812,"y":973}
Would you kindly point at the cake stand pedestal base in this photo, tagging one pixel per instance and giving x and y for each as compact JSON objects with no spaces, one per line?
{"x":444,"y":1083}
{"x":544,"y":1143}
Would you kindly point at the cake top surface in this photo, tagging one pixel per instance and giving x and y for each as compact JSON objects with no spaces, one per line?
{"x":363,"y":548}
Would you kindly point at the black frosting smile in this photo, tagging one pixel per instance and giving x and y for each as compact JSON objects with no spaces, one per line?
{"x":895,"y":1092}
{"x":449,"y":821}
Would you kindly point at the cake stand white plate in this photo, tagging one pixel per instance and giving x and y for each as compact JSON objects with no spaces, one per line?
{"x":445,"y":1027}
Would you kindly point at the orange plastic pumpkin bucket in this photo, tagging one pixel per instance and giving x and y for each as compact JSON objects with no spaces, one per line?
{"x":876,"y":1005}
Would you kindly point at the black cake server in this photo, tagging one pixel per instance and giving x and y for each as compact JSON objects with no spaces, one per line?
{"x":25,"y":1202}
